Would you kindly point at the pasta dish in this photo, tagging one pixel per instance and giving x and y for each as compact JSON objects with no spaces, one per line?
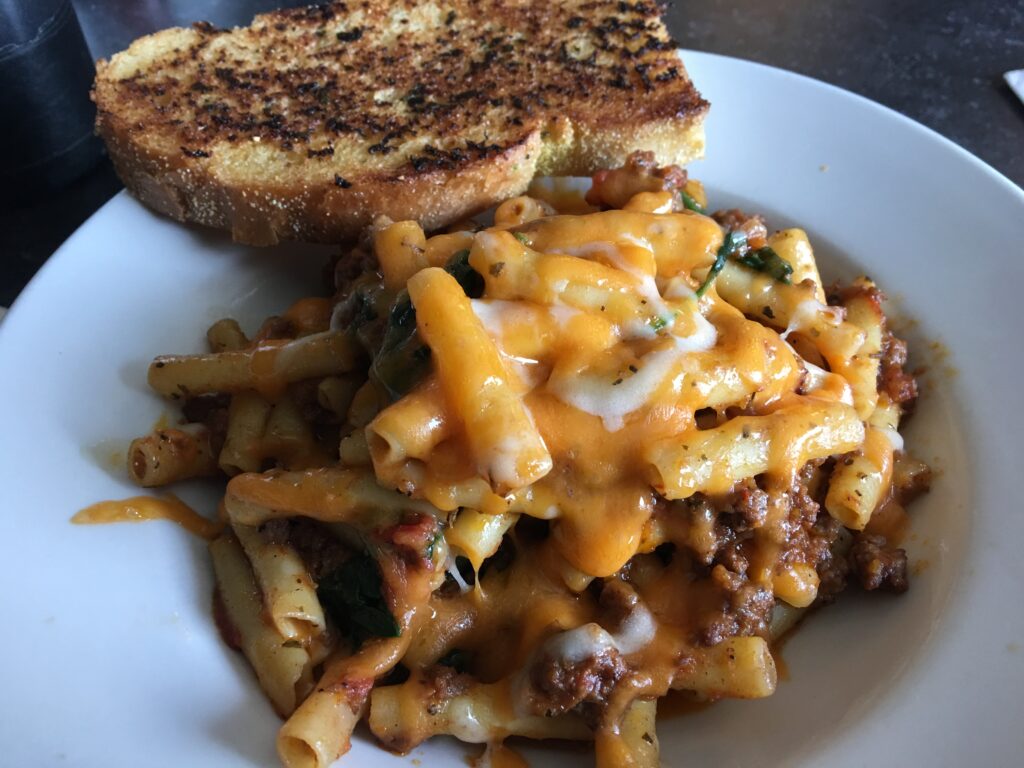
{"x":525,"y":479}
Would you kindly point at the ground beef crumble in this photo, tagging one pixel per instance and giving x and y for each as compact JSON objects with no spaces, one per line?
{"x":613,"y":188}
{"x":559,"y":685}
{"x":892,"y":379}
{"x":444,"y":684}
{"x":751,"y":508}
{"x":746,"y":609}
{"x":753,"y":226}
{"x":877,"y":565}
{"x":832,"y":565}
{"x":618,"y":600}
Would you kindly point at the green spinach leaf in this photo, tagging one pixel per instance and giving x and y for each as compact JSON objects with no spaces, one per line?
{"x":351,"y":597}
{"x":769,"y":262}
{"x":734,"y":242}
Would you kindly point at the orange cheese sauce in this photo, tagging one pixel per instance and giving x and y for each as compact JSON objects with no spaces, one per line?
{"x":602,"y":337}
{"x":659,"y":414}
{"x":603,"y":385}
{"x":600,"y":486}
{"x":140,"y":508}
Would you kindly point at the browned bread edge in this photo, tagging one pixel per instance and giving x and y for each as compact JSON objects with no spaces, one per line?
{"x":268,"y":214}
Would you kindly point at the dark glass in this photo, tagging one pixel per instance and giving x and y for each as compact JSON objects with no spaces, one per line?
{"x":46,"y":117}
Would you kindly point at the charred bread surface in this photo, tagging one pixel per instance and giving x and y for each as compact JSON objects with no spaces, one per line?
{"x":311,"y":121}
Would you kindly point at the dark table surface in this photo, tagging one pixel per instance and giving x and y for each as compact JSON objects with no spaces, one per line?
{"x":938,"y":61}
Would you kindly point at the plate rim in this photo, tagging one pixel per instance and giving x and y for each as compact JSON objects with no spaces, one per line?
{"x":56,"y":261}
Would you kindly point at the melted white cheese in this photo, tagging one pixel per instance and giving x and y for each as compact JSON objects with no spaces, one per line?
{"x":646,"y":288}
{"x":494,"y":313}
{"x":637,"y":631}
{"x":530,"y":372}
{"x":818,"y":378}
{"x":563,"y":315}
{"x":580,"y":644}
{"x":588,"y":640}
{"x":501,"y":461}
{"x":599,"y":395}
{"x":453,"y":571}
{"x":642,"y":328}
{"x":550,"y":513}
{"x":702,"y":339}
{"x":612,"y":402}
{"x":678,"y":288}
{"x":894,"y":437}
{"x":639,"y":242}
{"x":464,"y":723}
{"x":806,"y":313}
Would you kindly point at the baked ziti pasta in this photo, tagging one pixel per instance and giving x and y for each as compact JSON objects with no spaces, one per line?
{"x":526,"y":479}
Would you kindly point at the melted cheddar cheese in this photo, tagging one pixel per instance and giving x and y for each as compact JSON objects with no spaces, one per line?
{"x":590,"y":459}
{"x":140,"y":508}
{"x":599,"y":329}
{"x":644,"y":394}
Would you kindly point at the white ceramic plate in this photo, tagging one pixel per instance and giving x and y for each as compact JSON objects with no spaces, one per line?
{"x":109,"y":657}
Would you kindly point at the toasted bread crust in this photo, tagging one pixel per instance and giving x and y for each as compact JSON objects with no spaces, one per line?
{"x":311,"y":121}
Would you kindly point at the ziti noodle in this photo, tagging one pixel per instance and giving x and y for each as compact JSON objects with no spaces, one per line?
{"x":524,"y":480}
